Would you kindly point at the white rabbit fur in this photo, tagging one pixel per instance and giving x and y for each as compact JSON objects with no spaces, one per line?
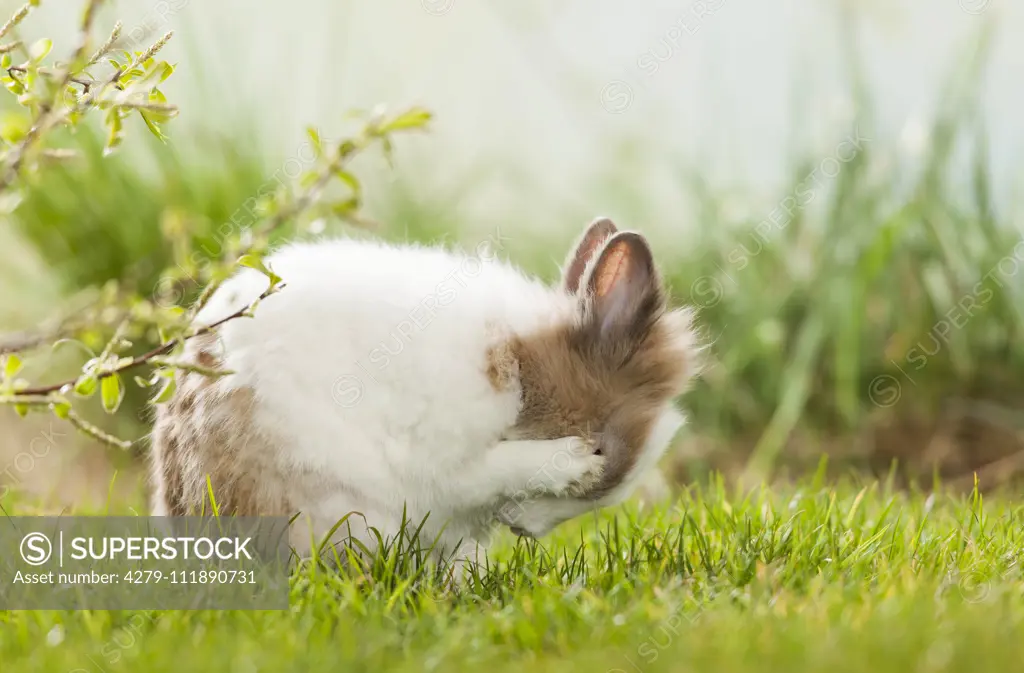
{"x":371,"y":386}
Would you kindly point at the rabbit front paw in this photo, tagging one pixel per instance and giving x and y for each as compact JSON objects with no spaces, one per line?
{"x":577,"y":469}
{"x":521,"y":469}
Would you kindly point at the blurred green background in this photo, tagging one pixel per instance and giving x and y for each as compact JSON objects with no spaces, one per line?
{"x":856,"y":269}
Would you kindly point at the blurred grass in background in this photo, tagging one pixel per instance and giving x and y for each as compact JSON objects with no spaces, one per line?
{"x":106,"y":217}
{"x":873,"y":314}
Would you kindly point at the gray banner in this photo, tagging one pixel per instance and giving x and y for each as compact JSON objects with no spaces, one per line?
{"x":142,"y":563}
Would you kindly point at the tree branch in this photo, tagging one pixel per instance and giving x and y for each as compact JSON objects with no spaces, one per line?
{"x":72,"y":319}
{"x":52,"y":72}
{"x":144,"y":358}
{"x":49,"y":117}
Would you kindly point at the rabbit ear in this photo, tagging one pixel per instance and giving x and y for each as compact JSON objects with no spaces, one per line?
{"x":591,"y":241}
{"x":624,"y":288}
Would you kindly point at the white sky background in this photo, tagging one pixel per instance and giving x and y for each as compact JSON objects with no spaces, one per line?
{"x":519,"y":85}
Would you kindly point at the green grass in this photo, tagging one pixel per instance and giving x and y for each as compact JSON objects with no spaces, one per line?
{"x":796,"y":578}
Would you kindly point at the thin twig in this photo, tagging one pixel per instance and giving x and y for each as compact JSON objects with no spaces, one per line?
{"x":24,"y":341}
{"x":107,"y":46}
{"x":96,"y":432}
{"x":53,"y":72}
{"x":58,"y":154}
{"x":149,"y":355}
{"x":27,"y":400}
{"x":60,"y":327}
{"x":15,"y":20}
{"x":345,"y":151}
{"x":145,"y":105}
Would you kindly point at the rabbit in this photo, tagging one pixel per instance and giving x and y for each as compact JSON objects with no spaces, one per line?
{"x":408,"y":384}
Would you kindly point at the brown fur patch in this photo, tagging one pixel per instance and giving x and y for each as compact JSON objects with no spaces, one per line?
{"x":502,"y":367}
{"x":206,"y":359}
{"x":168,"y":457}
{"x":206,"y":433}
{"x":575,"y":386}
{"x":607,"y":374}
{"x":205,"y":347}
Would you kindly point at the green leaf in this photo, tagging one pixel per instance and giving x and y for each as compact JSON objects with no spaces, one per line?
{"x":115,"y":129}
{"x":14,"y":85}
{"x":5,"y":61}
{"x":166,"y":392}
{"x":12,"y":365}
{"x":254,"y":262}
{"x":314,"y":137}
{"x":38,"y":51}
{"x":61,"y":408}
{"x":345,"y":208}
{"x":111,"y":392}
{"x":154,"y":126}
{"x":85,"y":386}
{"x":14,"y":126}
{"x":251,"y":261}
{"x":350,"y":180}
{"x":21,"y":410}
{"x":411,"y":119}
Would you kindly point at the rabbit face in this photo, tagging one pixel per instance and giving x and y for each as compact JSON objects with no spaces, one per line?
{"x":611,"y":373}
{"x":538,"y":516}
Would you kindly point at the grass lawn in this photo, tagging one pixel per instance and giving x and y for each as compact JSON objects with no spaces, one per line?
{"x":802,"y":578}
